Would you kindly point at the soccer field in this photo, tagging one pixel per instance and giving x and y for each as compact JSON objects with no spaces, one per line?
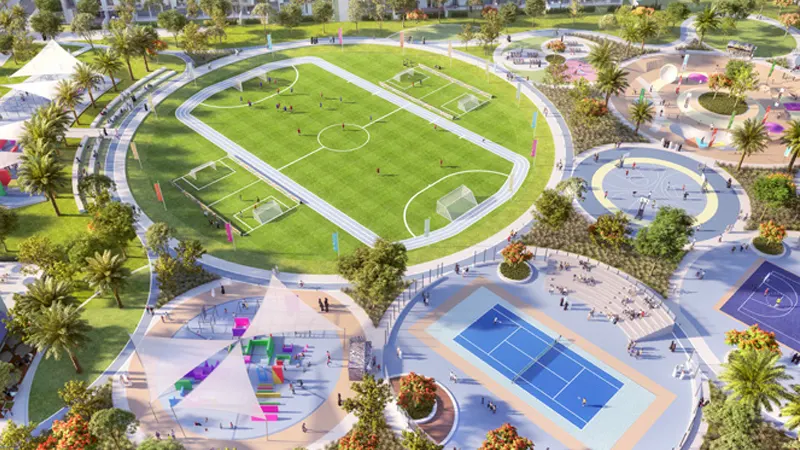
{"x":379,"y":164}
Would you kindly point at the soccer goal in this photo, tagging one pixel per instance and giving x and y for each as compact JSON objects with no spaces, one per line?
{"x":405,"y":75}
{"x":455,"y":203}
{"x":267,"y":211}
{"x":238,"y":86}
{"x":193,"y":173}
{"x":468,"y":102}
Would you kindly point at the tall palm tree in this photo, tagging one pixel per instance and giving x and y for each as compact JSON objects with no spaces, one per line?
{"x":792,"y":410}
{"x":641,"y":112}
{"x":86,"y":78}
{"x":108,"y":62}
{"x":754,"y":377}
{"x":43,"y":293}
{"x":750,"y":137}
{"x":601,"y":55}
{"x":106,"y":273}
{"x":647,"y":29}
{"x":69,"y":97}
{"x":47,"y":122}
{"x":791,"y":138}
{"x":705,"y":21}
{"x":42,"y":175}
{"x":59,"y":329}
{"x":144,"y":39}
{"x":123,"y":44}
{"x":630,"y":33}
{"x":612,"y":80}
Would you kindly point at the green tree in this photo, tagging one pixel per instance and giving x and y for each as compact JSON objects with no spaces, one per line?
{"x":575,"y":10}
{"x":745,"y":80}
{"x":107,"y":273}
{"x":490,"y":30}
{"x":81,"y":246}
{"x":46,"y":23}
{"x":263,"y":10}
{"x":573,"y":187}
{"x":290,"y":14}
{"x":792,"y":410}
{"x":40,"y":251}
{"x":189,"y":251}
{"x":192,"y":9}
{"x":601,"y":55}
{"x":322,"y":11}
{"x":48,"y":124}
{"x":371,"y":397}
{"x":630,"y":33}
{"x":122,"y":43}
{"x":555,"y":73}
{"x":8,"y":224}
{"x":610,"y":229}
{"x":508,"y":13}
{"x":402,"y":7}
{"x":82,"y":25}
{"x":90,"y":7}
{"x":612,"y":80}
{"x":57,"y":330}
{"x":97,"y":186}
{"x":84,"y":400}
{"x":158,"y":236}
{"x":42,"y":175}
{"x":736,"y":424}
{"x":707,"y":20}
{"x":19,"y":437}
{"x":418,"y":440}
{"x":114,"y":222}
{"x":195,"y":40}
{"x":754,"y":378}
{"x":168,"y":269}
{"x":791,"y":138}
{"x":467,"y":34}
{"x":552,"y":208}
{"x":774,"y":191}
{"x":677,"y":12}
{"x":149,"y":4}
{"x":379,"y":12}
{"x":667,"y":234}
{"x":534,"y":9}
{"x":173,"y":21}
{"x":108,"y":63}
{"x":9,"y":375}
{"x":48,"y":5}
{"x":144,"y":39}
{"x":749,"y":138}
{"x":87,"y":79}
{"x":154,"y":444}
{"x":69,"y":97}
{"x":641,"y":112}
{"x":647,"y":29}
{"x":111,"y":427}
{"x":42,"y":294}
{"x":376,"y":275}
{"x":126,"y":11}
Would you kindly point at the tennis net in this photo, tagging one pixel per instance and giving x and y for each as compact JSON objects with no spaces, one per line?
{"x":535,"y":360}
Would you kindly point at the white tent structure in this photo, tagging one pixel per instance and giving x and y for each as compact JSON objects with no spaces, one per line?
{"x":13,"y":130}
{"x":228,"y":388}
{"x":47,"y":89}
{"x":166,"y":360}
{"x":51,"y":60}
{"x":282,"y":312}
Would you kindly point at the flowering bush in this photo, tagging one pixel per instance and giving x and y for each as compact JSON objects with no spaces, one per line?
{"x":516,"y":253}
{"x":557,"y":46}
{"x":506,"y":438}
{"x":772,"y":233}
{"x":72,"y":434}
{"x":358,"y":439}
{"x":592,"y":107}
{"x":417,"y":15}
{"x":642,"y":11}
{"x":417,"y":395}
{"x":488,"y":10}
{"x":753,"y":338}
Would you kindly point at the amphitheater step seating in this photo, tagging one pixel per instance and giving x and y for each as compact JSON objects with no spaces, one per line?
{"x":610,"y":295}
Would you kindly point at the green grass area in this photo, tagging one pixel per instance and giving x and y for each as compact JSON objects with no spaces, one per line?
{"x":365,"y":156}
{"x":722,"y":103}
{"x":770,"y":40}
{"x":302,"y":241}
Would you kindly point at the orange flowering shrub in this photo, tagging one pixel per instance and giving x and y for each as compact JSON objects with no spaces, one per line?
{"x":642,"y":11}
{"x":488,"y":10}
{"x":417,"y":15}
{"x":557,"y":46}
{"x":753,"y":338}
{"x":72,"y":434}
{"x":516,"y":253}
{"x":772,"y":232}
{"x":506,"y":438}
{"x":417,"y":395}
{"x":358,"y":439}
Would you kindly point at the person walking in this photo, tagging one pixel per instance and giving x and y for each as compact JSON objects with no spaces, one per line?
{"x":327,"y":308}
{"x":321,"y":307}
{"x":399,"y":353}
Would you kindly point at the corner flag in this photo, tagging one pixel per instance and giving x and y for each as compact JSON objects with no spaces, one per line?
{"x":535,"y":118}
{"x":269,"y":41}
{"x":402,"y":38}
{"x":341,"y":40}
{"x":336,"y":242}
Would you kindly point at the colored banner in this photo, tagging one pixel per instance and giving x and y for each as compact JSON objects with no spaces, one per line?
{"x":641,"y":96}
{"x":730,"y":122}
{"x":134,"y":151}
{"x":341,"y":39}
{"x":685,"y":62}
{"x":680,"y":81}
{"x":269,"y":41}
{"x":766,"y":114}
{"x":229,"y":231}
{"x":158,"y":192}
{"x":519,"y":89}
{"x":535,"y":119}
{"x":787,"y":152}
{"x":771,"y":69}
{"x":336,"y":241}
{"x":713,"y":137}
{"x":402,"y":39}
{"x":450,"y":49}
{"x":533,"y":148}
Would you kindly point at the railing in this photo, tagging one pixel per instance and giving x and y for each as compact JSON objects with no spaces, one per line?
{"x":699,"y":382}
{"x":76,"y":174}
{"x":124,"y":95}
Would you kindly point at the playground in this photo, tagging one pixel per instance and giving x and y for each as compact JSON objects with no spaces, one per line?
{"x":681,"y":118}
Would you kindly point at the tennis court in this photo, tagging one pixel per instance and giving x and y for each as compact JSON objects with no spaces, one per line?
{"x":538,"y":363}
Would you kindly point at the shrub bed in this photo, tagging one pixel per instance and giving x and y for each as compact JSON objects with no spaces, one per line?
{"x":788,"y":216}
{"x":621,"y":51}
{"x":723,"y":103}
{"x":555,"y":59}
{"x":515,"y":271}
{"x":766,"y":247}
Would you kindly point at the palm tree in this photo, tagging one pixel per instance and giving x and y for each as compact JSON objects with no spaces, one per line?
{"x":143,"y":39}
{"x":647,"y":28}
{"x":749,"y":138}
{"x":106,"y":273}
{"x":108,"y":62}
{"x":59,"y":329}
{"x":123,"y":44}
{"x":47,"y":122}
{"x":707,"y":20}
{"x":43,"y":293}
{"x":42,"y":175}
{"x":601,"y":55}
{"x":630,"y":33}
{"x":612,"y":80}
{"x":792,"y":410}
{"x":754,"y":378}
{"x":641,"y":112}
{"x":68,"y":96}
{"x":85,"y":77}
{"x":791,"y":138}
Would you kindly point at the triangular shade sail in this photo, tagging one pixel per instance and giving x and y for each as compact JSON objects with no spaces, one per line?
{"x":166,"y":360}
{"x":52,"y":60}
{"x":282,"y":312}
{"x":13,"y":130}
{"x":46,"y":89}
{"x":228,"y":388}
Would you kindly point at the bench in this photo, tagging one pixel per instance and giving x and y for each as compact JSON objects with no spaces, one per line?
{"x":268,"y":394}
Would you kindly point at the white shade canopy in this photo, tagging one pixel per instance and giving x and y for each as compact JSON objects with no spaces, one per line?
{"x":47,"y":89}
{"x":12,"y":130}
{"x":166,"y":360}
{"x":228,"y":388}
{"x":282,"y":311}
{"x":9,"y":159}
{"x":52,"y":60}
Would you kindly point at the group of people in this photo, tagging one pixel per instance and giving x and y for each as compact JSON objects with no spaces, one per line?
{"x":323,"y":305}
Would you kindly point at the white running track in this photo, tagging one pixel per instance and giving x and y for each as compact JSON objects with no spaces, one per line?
{"x":518,"y":173}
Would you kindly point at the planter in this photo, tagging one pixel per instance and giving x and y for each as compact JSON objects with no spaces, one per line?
{"x":429,"y":417}
{"x":516,"y":281}
{"x":764,"y":253}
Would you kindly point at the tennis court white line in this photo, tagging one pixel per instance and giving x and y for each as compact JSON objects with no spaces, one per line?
{"x":526,"y":381}
{"x":234,"y":193}
{"x":568,"y":383}
{"x":301,"y":158}
{"x":571,"y":358}
{"x":537,"y":361}
{"x":504,"y":340}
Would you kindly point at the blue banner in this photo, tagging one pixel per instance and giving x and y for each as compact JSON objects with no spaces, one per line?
{"x":269,"y":41}
{"x":787,"y":152}
{"x":535,"y":118}
{"x":336,"y":242}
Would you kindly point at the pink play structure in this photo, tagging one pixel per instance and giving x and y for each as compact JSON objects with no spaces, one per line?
{"x":240,"y":325}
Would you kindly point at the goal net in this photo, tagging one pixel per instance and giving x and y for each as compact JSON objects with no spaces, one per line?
{"x":468,"y":102}
{"x":455,"y":203}
{"x":405,"y":75}
{"x":238,"y":86}
{"x":267,"y":211}
{"x":193,"y":172}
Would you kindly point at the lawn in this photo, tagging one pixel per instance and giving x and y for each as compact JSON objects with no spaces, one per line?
{"x":770,"y":40}
{"x":722,"y":103}
{"x":302,"y":241}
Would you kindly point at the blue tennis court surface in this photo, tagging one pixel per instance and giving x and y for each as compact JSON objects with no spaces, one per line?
{"x":769,"y":298}
{"x":559,"y":378}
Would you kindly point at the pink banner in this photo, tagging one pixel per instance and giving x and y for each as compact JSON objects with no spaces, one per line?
{"x":229,"y":232}
{"x":402,"y":38}
{"x":341,"y":41}
{"x":766,"y":114}
{"x":533,"y":148}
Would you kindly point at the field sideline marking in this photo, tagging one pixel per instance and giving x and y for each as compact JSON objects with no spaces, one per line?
{"x":301,"y":158}
{"x":233,"y":193}
{"x":296,"y":78}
